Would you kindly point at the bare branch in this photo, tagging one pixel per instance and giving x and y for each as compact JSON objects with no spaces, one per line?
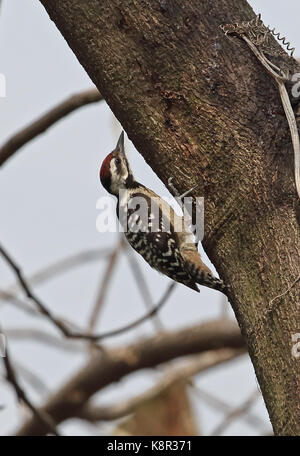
{"x":43,"y":337}
{"x":111,"y":366}
{"x":47,"y":120}
{"x":223,"y":406}
{"x":65,"y":264}
{"x":53,"y":270}
{"x":103,"y":287}
{"x":31,"y":378}
{"x":236,"y":413}
{"x":193,"y":367}
{"x":30,"y":295}
{"x":40,"y":415}
{"x":19,"y":303}
{"x":142,"y":285}
{"x":61,"y":325}
{"x":140,"y":320}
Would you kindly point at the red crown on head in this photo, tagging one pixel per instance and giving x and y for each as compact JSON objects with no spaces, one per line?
{"x":105,"y":170}
{"x":105,"y":167}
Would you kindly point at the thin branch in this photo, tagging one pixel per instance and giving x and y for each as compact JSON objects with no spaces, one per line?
{"x":53,"y":270}
{"x":32,"y":379}
{"x":188,"y":369}
{"x":224,"y":407}
{"x":235,"y":414}
{"x":103,"y":287}
{"x":42,"y":337}
{"x":61,"y":325}
{"x":43,"y":418}
{"x":16,"y":301}
{"x":30,"y":295}
{"x":64,"y":265}
{"x":142,"y":285}
{"x":140,"y":320}
{"x":47,"y":120}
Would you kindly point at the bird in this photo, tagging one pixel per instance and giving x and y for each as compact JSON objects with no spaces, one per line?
{"x":150,"y":225}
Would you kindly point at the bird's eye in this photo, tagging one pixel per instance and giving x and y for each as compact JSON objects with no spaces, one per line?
{"x":117,"y":161}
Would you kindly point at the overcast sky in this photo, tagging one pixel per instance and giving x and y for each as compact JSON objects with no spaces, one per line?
{"x":48,"y":210}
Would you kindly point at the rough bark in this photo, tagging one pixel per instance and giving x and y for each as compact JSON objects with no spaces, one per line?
{"x":199,"y":107}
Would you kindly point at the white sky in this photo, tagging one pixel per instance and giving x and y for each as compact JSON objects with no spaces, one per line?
{"x":48,"y":210}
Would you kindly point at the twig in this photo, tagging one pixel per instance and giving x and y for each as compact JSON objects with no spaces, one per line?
{"x":16,"y":301}
{"x":66,"y":264}
{"x":31,"y":378}
{"x":43,"y":337}
{"x":30,"y":295}
{"x":256,"y":35}
{"x":236,"y":413}
{"x":285,"y":292}
{"x":59,"y":323}
{"x":45,"y":420}
{"x":142,"y":285}
{"x":53,"y":270}
{"x":47,"y":120}
{"x":104,"y":284}
{"x":188,"y":369}
{"x":140,"y":320}
{"x":223,"y":406}
{"x":286,"y":103}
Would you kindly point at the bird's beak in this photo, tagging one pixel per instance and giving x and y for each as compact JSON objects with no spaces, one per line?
{"x":120,"y":145}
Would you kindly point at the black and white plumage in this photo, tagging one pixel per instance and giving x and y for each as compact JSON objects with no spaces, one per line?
{"x":151,"y":231}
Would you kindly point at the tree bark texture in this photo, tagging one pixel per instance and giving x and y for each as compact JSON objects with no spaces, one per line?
{"x":200,"y":108}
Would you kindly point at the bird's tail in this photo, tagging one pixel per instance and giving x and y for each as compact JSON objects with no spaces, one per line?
{"x":216,"y":284}
{"x":200,"y":273}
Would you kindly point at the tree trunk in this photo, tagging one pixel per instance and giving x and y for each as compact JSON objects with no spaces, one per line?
{"x":199,"y":107}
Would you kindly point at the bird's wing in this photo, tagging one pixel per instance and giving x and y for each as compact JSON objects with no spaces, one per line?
{"x":151,"y":233}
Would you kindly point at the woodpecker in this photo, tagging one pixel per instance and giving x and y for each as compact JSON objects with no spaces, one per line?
{"x":169,"y":251}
